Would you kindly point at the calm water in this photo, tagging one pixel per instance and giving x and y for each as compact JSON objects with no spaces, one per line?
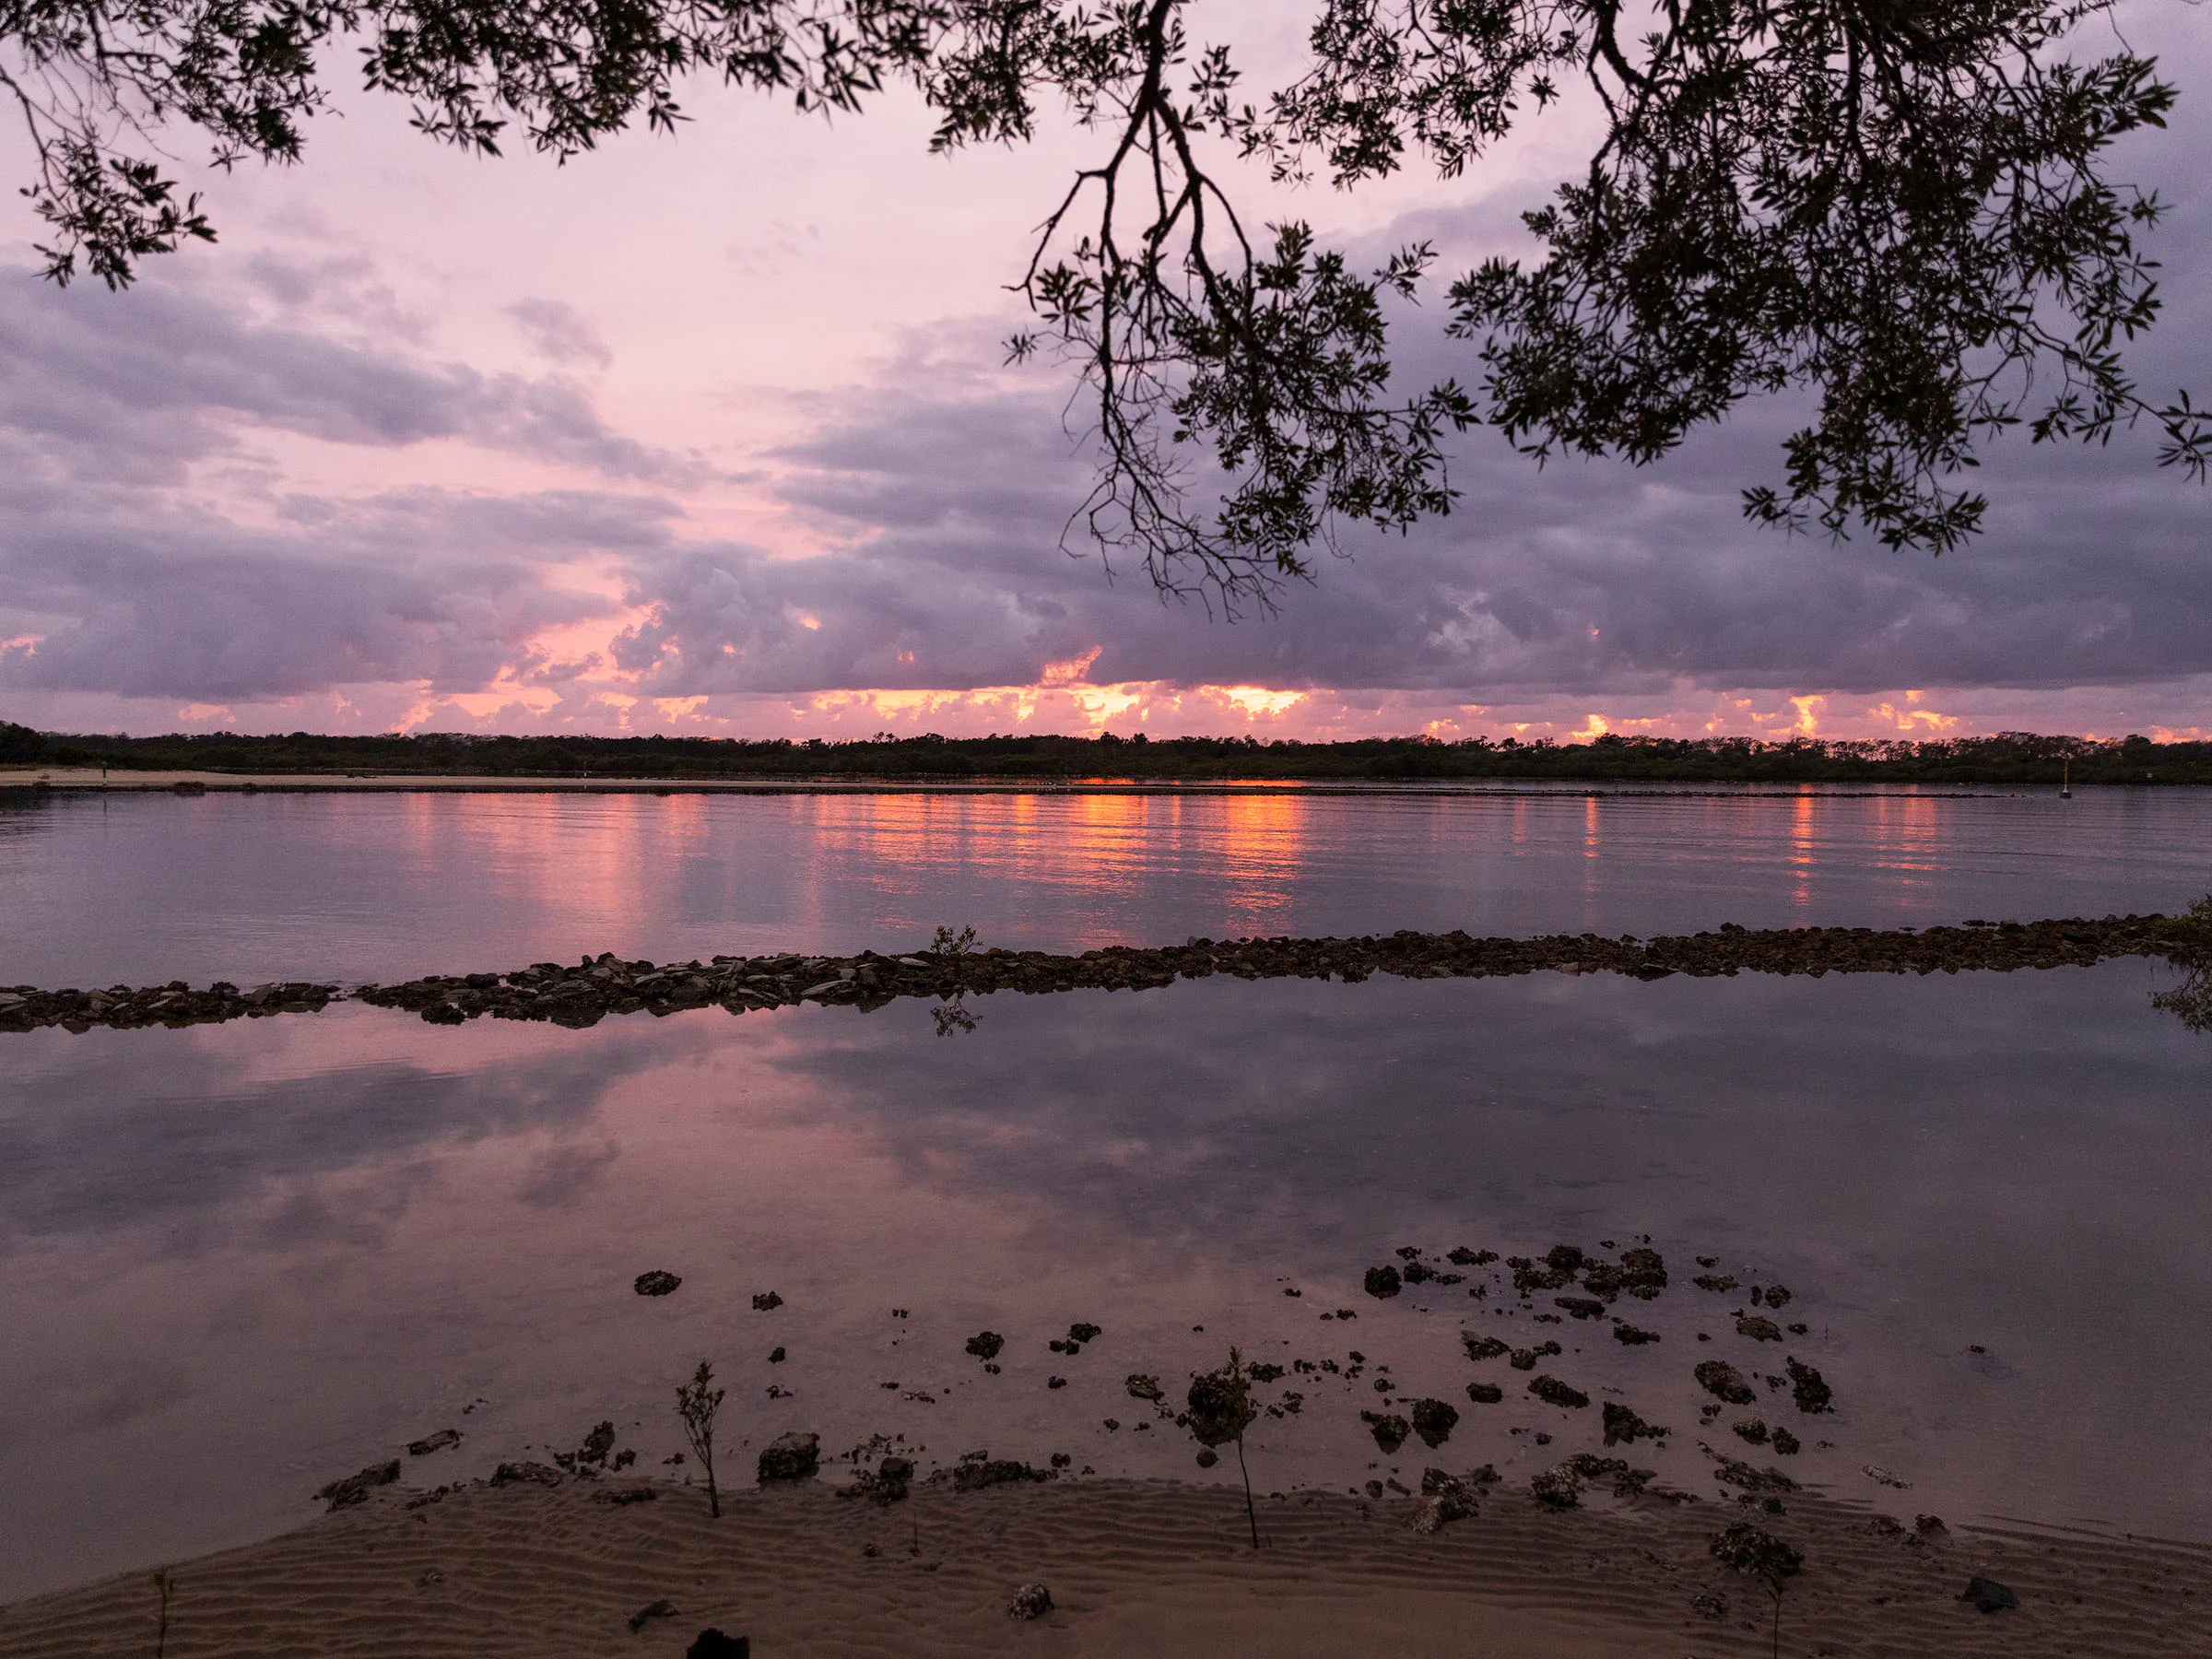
{"x":237,"y":1260}
{"x":97,"y":889}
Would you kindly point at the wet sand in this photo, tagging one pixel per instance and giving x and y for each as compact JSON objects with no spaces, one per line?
{"x":1133,"y":1567}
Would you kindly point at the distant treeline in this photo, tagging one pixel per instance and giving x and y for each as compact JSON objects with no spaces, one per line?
{"x":2010,"y":757}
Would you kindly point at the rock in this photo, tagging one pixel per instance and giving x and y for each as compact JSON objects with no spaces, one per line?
{"x":1419,"y":1273}
{"x":885,"y":1486}
{"x":1084,"y":1332}
{"x":775,"y":1355}
{"x":1462,"y":1256}
{"x":1056,"y":1381}
{"x":1788,"y":1444}
{"x":978,"y":1470}
{"x":434,"y":1442}
{"x":1719,"y":1378}
{"x":1758,"y":1328}
{"x":1988,"y":1596}
{"x":1445,"y":1499}
{"x":664,"y":1609}
{"x":1708,"y":1606}
{"x":355,"y":1488}
{"x":1383,"y":1282}
{"x":766,"y":1300}
{"x":596,"y":1444}
{"x":791,"y":1457}
{"x":1581,"y":1307}
{"x":1809,"y":1389}
{"x":1390,"y":1430}
{"x":1030,"y":1601}
{"x":656,"y":1283}
{"x":1525,"y":1359}
{"x":1730,"y":1472}
{"x":1553,"y":1391}
{"x":1433,"y":1420}
{"x":985,"y":1345}
{"x":1557,"y":1489}
{"x":1720,"y":1284}
{"x":1485,"y":1394}
{"x":710,"y":1643}
{"x":1564,"y":1258}
{"x":525,"y":1474}
{"x":1484,"y":1348}
{"x":1207,"y":1457}
{"x":1623,"y":1426}
{"x":1142,"y":1387}
{"x":1625,"y":1332}
{"x":1778,"y":1296}
{"x":623,"y":1495}
{"x":1881,"y":1476}
{"x":1930,"y":1527}
{"x":1752,"y":1429}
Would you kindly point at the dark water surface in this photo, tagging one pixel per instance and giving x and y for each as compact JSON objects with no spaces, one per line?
{"x":97,"y":889}
{"x":237,"y":1260}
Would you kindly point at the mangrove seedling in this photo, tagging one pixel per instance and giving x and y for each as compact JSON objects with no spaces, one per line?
{"x":1764,"y":1557}
{"x":697,"y":1402}
{"x":1220,"y":1410}
{"x":165,"y":1586}
{"x":949,"y":944}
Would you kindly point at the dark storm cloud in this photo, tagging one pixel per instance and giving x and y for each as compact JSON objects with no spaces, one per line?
{"x":106,"y":401}
{"x":424,"y":586}
{"x":131,"y":387}
{"x":1590,"y":577}
{"x":1583,"y":575}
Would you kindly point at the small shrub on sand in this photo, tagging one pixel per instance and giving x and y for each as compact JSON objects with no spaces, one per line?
{"x":697,"y":1402}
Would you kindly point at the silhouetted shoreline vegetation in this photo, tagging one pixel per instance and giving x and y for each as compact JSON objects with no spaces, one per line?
{"x":2010,"y":757}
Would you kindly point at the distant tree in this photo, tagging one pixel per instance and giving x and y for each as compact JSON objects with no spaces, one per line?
{"x":1900,"y":206}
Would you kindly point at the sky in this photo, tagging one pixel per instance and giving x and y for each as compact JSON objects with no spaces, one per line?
{"x":712,"y":435}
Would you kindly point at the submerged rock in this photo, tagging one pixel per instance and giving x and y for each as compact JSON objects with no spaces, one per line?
{"x":1809,"y":1389}
{"x":1623,"y":1426}
{"x":1485,"y":1394}
{"x":1484,"y":1348}
{"x":1719,"y":1378}
{"x":434,"y":1442}
{"x":1758,"y":1328}
{"x":1389,"y":1429}
{"x":663,"y":1608}
{"x":657,"y":1283}
{"x":1553,"y":1391}
{"x":985,"y":1345}
{"x":710,"y":1643}
{"x":1433,"y":1420}
{"x":1383,"y":1282}
{"x":1625,"y":1332}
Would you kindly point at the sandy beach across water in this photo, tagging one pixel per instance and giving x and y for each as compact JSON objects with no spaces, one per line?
{"x":1154,"y":1568}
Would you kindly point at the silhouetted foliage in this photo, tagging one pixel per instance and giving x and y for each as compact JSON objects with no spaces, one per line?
{"x":1898,"y":208}
{"x":2008,"y":759}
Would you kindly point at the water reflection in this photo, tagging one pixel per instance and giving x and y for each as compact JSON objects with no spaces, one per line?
{"x":241,"y":1259}
{"x":149,"y":888}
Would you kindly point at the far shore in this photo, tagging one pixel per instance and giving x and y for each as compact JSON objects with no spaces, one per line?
{"x":81,"y":780}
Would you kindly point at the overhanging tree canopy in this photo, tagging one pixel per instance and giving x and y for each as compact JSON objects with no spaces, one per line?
{"x":1898,"y":205}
